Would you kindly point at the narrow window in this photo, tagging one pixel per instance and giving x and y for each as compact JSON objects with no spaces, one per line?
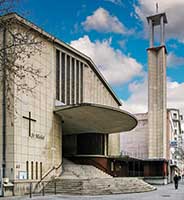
{"x":27,"y":169}
{"x":68,"y":79}
{"x":40,"y":170}
{"x":73,"y":80}
{"x":63,"y":78}
{"x":36,"y":170}
{"x":32,"y":170}
{"x":81,"y":83}
{"x":57,"y":74}
{"x":77,"y":82}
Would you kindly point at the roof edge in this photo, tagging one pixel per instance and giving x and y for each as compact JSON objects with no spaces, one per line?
{"x":52,"y":38}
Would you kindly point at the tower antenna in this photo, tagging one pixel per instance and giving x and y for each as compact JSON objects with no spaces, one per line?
{"x":156,"y":7}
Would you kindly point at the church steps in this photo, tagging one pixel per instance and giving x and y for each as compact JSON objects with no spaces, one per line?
{"x":72,"y":170}
{"x":88,"y":180}
{"x":98,"y":186}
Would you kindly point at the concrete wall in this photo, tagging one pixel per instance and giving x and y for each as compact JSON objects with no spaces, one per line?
{"x":96,"y":92}
{"x":157,"y":102}
{"x":9,"y":126}
{"x":135,"y":143}
{"x":44,"y":144}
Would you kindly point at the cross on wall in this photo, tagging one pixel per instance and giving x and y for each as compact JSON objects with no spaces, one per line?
{"x":30,"y":120}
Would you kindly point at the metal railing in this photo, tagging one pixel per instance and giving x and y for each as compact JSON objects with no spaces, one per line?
{"x":42,"y":180}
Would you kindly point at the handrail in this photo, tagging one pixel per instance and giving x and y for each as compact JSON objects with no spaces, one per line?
{"x":47,"y":173}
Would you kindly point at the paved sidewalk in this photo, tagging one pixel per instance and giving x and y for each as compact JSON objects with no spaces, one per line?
{"x":166,"y":192}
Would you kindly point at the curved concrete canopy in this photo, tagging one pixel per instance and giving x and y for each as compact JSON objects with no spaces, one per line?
{"x":94,"y":118}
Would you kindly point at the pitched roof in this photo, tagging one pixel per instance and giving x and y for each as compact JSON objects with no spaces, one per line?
{"x":55,"y":40}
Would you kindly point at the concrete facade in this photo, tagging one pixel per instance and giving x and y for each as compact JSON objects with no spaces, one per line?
{"x":157,"y":102}
{"x":135,"y":142}
{"x":157,"y":89}
{"x":34,"y":145}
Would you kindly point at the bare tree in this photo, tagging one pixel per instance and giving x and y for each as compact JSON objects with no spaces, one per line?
{"x":19,"y":45}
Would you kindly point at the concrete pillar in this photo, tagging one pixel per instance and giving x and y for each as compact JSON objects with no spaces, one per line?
{"x":157,"y":102}
{"x":70,"y":80}
{"x":151,"y":30}
{"x":66,"y":78}
{"x":75,"y":82}
{"x":162,"y":30}
{"x":79,"y":89}
{"x":106,"y":145}
{"x":60,"y":76}
{"x":82,"y":84}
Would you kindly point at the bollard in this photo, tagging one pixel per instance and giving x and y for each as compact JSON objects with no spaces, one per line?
{"x":30,"y":190}
{"x":55,"y":187}
{"x":43,"y":189}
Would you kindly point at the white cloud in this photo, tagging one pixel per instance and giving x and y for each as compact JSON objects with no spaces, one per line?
{"x":102,"y":21}
{"x":138,"y":100}
{"x":174,"y":11}
{"x":174,"y":61}
{"x":175,"y":94}
{"x":116,"y":67}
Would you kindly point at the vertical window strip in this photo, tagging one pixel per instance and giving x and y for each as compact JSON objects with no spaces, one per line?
{"x":32,"y":175}
{"x":36,"y":168}
{"x":79,"y":97}
{"x":40,"y":170}
{"x":81,"y":83}
{"x":57,"y":75}
{"x":68,"y":79}
{"x":27,"y":169}
{"x":77,"y":82}
{"x":63,"y":77}
{"x":73,"y":80}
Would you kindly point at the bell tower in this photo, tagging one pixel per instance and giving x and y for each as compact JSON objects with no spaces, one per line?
{"x":157,"y":108}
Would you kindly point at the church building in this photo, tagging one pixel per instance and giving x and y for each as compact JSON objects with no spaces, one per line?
{"x":72,"y":112}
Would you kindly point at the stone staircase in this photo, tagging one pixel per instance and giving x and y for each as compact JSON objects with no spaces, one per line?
{"x":88,"y":180}
{"x":73,"y":171}
{"x":98,"y":186}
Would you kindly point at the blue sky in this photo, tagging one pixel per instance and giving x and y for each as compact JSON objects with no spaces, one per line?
{"x":114,"y":34}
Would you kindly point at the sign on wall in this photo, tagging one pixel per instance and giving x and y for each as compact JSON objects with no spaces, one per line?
{"x":22,"y":175}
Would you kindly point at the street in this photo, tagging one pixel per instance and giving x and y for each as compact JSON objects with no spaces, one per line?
{"x":166,"y":192}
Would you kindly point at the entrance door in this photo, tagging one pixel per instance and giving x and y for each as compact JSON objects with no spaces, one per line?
{"x":90,"y":144}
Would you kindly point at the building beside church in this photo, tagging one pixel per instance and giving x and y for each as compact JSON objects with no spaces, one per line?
{"x":157,"y":138}
{"x":72,"y":112}
{"x":135,"y":143}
